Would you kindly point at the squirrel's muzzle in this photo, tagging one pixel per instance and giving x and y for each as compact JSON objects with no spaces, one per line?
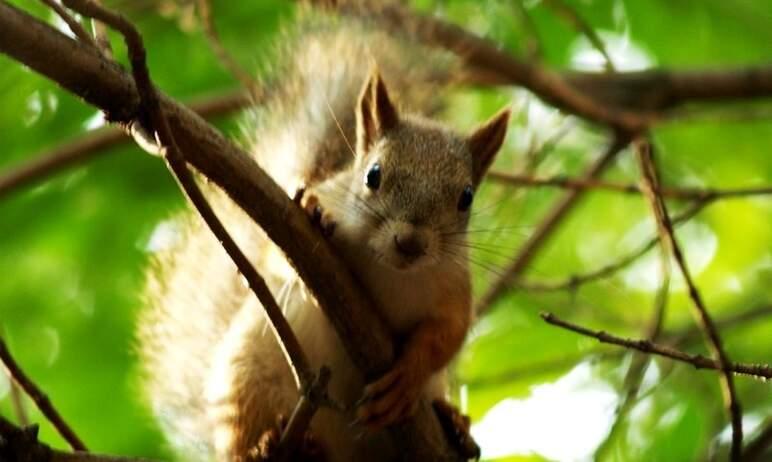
{"x":411,"y":244}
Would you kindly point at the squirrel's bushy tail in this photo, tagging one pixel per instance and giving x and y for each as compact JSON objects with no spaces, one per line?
{"x":306,"y":128}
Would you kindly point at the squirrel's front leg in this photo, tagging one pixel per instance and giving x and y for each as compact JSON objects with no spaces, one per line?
{"x":428,"y":349}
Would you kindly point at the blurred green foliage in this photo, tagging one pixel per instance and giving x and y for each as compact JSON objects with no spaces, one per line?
{"x":73,"y":248}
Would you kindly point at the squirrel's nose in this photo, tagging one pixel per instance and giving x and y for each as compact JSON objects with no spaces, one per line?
{"x":411,"y":244}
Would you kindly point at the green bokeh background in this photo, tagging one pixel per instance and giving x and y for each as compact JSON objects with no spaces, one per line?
{"x":72,"y":248}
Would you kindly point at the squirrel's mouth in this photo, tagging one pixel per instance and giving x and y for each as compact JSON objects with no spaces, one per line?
{"x":403,"y":263}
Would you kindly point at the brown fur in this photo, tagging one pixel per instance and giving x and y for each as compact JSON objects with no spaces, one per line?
{"x":215,"y":375}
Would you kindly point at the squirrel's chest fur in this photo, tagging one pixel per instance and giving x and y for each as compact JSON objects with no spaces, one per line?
{"x":406,"y":298}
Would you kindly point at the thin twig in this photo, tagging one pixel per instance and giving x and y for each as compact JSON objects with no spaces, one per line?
{"x":577,"y":280}
{"x":71,"y":22}
{"x":40,"y":399}
{"x":545,"y":230}
{"x":669,"y":242}
{"x":292,"y":436}
{"x":204,"y":8}
{"x":679,"y":339}
{"x":87,"y":146}
{"x":568,"y":13}
{"x":684,"y":193}
{"x":762,"y":371}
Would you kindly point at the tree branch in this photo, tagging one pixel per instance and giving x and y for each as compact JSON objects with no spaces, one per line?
{"x":93,"y":143}
{"x":40,"y":399}
{"x":669,"y":242}
{"x":365,"y":337}
{"x":679,"y":339}
{"x":626,"y":99}
{"x":763,"y":371}
{"x":577,"y":280}
{"x":159,"y":124}
{"x":312,"y":389}
{"x":488,"y":64}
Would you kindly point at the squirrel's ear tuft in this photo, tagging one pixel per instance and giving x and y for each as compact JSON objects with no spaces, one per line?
{"x":375,"y":113}
{"x":485,"y":142}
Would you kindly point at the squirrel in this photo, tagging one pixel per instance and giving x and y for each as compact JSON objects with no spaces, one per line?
{"x":392,"y":190}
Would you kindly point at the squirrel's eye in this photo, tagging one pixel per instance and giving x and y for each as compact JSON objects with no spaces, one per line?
{"x":465,"y":201}
{"x":373,"y":177}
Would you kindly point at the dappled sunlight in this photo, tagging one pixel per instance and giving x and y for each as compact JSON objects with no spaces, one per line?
{"x":624,"y":52}
{"x":565,"y":420}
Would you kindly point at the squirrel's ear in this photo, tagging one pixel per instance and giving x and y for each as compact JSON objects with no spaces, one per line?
{"x":485,"y":142}
{"x":375,"y":112}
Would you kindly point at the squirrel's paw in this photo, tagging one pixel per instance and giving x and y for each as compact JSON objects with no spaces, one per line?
{"x":456,"y":427}
{"x":267,"y":448}
{"x":310,"y":203}
{"x":393,"y":397}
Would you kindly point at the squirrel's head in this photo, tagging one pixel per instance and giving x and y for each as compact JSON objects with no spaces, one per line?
{"x":415,"y":180}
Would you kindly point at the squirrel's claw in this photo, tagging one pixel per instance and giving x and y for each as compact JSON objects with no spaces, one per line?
{"x":456,"y":427}
{"x":299,"y":194}
{"x":310,"y":203}
{"x":391,"y":398}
